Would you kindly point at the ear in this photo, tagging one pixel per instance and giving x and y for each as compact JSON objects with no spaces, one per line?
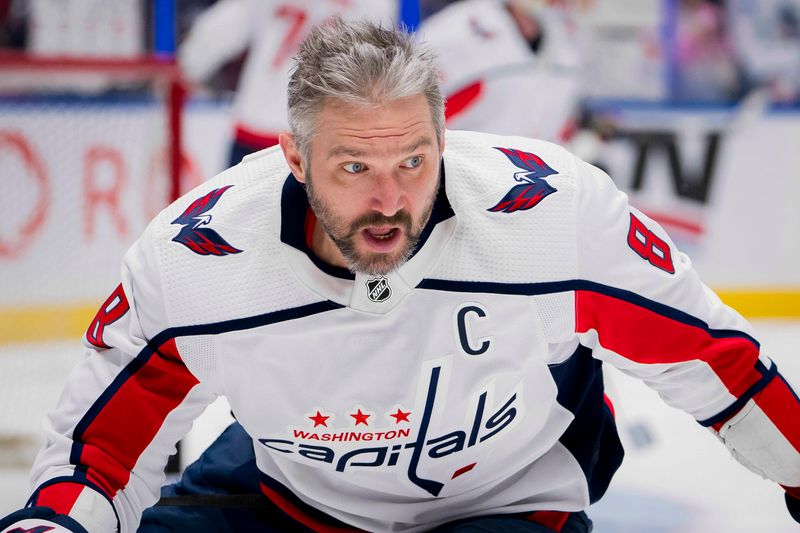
{"x":292,"y":155}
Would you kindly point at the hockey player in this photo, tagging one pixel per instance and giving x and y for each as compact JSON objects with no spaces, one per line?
{"x":269,"y":31}
{"x":411,"y":336}
{"x":494,"y":54}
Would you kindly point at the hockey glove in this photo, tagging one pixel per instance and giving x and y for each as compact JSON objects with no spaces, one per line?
{"x":39,"y":519}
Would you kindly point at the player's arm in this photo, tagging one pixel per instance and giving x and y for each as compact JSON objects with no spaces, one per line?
{"x":121,"y":412}
{"x":219,"y":34}
{"x":644,"y":310}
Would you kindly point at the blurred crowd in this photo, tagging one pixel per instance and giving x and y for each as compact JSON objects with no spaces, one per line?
{"x":700,"y":50}
{"x":724,"y":49}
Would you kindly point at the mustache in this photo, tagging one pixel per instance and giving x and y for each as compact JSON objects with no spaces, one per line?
{"x":402,"y":218}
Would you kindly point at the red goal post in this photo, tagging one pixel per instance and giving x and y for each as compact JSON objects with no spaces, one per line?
{"x":94,"y":137}
{"x":90,"y":149}
{"x":20,"y":71}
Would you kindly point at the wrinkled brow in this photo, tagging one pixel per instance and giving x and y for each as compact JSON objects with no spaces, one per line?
{"x":413,"y":146}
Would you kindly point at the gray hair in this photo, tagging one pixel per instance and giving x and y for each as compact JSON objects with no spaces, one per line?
{"x":358,"y":63}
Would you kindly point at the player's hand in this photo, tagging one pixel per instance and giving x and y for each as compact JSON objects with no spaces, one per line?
{"x":39,"y":519}
{"x":793,"y":504}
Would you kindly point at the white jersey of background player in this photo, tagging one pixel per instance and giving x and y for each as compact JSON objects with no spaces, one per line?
{"x":464,"y":381}
{"x":491,"y":76}
{"x":270,"y":31}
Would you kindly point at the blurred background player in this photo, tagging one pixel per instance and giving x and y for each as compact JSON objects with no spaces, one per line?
{"x":268,"y":31}
{"x":509,"y":66}
{"x":765,"y":36}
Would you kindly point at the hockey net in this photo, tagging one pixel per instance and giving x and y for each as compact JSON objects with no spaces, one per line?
{"x":89,"y":149}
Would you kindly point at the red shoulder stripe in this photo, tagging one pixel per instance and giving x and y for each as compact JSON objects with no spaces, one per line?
{"x":645,"y":336}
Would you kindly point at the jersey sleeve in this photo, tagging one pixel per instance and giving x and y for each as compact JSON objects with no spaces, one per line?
{"x":642,"y":308}
{"x":122,"y":409}
{"x":218,"y":35}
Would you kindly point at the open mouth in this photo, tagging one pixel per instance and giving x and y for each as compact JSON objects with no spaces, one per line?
{"x":382,"y":238}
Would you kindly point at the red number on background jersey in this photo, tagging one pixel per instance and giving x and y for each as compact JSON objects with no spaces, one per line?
{"x":112,"y":310}
{"x":649,"y":246}
{"x":295,"y":33}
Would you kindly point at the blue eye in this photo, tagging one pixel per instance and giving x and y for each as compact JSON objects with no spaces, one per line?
{"x":354,"y":168}
{"x":413,"y":162}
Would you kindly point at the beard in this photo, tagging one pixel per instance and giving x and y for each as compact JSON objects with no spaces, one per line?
{"x":344,"y":234}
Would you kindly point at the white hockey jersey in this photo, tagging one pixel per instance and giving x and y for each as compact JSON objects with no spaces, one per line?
{"x":492,"y":79}
{"x":270,"y":31}
{"x":467,"y":382}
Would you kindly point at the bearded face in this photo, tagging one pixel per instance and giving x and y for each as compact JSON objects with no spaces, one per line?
{"x":371,"y":174}
{"x":398,"y":230}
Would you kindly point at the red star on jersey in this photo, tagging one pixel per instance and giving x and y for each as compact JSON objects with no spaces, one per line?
{"x":319,"y":420}
{"x":360,"y":417}
{"x":400,"y":416}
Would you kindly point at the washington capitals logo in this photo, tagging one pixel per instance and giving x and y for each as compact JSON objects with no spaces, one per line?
{"x":194,"y":235}
{"x":532,"y":189}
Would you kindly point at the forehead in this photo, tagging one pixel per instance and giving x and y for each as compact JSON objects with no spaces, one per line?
{"x":398,"y":125}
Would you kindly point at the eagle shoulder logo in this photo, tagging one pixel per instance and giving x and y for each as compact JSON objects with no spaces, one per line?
{"x":195,"y":234}
{"x":378,"y":289}
{"x":532,"y":189}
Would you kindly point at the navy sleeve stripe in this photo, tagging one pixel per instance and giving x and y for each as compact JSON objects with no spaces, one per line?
{"x":533,"y":289}
{"x":141,"y":360}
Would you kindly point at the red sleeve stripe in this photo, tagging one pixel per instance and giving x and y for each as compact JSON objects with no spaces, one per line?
{"x":646,"y":336}
{"x":60,"y":497}
{"x":610,"y":405}
{"x":463,"y":99}
{"x":554,"y":520}
{"x":129,"y":420}
{"x":254,"y":139}
{"x":129,"y":412}
{"x":793,"y":491}
{"x":782,"y":407}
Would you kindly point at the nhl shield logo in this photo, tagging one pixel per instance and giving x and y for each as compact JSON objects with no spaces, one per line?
{"x":378,"y":289}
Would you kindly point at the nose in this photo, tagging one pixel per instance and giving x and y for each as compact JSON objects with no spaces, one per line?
{"x":388,"y":195}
